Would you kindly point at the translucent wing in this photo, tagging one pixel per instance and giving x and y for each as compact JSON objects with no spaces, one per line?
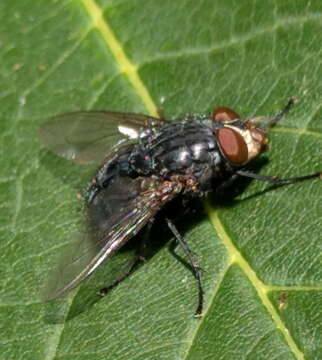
{"x":116,"y":214}
{"x":86,"y":137}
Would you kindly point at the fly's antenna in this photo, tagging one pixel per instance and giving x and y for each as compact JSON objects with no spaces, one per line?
{"x":279,"y":116}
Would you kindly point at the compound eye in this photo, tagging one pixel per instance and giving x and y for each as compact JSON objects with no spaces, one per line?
{"x":232,"y":145}
{"x":224,"y":115}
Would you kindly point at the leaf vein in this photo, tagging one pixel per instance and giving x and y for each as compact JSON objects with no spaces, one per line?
{"x":124,"y":63}
{"x":234,"y":40}
{"x":259,"y":286}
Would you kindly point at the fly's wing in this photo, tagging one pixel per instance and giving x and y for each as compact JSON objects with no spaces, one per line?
{"x":87,"y":137}
{"x":115,"y":215}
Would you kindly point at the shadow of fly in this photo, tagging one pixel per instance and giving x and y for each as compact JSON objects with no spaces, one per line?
{"x":144,"y":163}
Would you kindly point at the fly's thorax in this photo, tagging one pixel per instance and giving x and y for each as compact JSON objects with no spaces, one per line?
{"x":185,"y":147}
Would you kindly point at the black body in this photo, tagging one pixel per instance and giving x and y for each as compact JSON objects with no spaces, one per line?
{"x":138,"y":176}
{"x":145,"y":163}
{"x":187,"y":148}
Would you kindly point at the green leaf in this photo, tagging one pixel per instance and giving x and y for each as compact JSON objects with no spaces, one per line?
{"x":261,"y":254}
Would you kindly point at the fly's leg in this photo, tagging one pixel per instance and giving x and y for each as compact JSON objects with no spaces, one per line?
{"x":276,"y":180}
{"x":222,"y":194}
{"x":195,"y":268}
{"x":225,"y":185}
{"x":279,"y":116}
{"x":139,"y":258}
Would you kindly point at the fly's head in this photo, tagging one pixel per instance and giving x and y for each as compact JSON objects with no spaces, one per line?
{"x":239,"y":140}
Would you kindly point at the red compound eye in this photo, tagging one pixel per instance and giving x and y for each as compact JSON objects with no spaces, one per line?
{"x":225,"y":115}
{"x":233,"y":145}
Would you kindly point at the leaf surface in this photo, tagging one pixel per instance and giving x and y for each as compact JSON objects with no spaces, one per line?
{"x":261,"y":253}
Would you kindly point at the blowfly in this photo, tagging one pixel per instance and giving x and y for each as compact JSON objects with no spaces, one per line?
{"x":146,"y":162}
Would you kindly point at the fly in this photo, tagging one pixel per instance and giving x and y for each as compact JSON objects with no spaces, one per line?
{"x":145,"y":163}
